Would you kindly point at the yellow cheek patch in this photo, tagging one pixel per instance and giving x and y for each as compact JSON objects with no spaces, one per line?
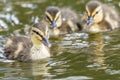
{"x":57,"y":15}
{"x":36,"y":39}
{"x":96,"y":10}
{"x":87,"y":11}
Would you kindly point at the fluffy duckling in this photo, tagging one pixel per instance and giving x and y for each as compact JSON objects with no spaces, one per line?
{"x":61,"y":21}
{"x":100,"y":17}
{"x":28,"y":49}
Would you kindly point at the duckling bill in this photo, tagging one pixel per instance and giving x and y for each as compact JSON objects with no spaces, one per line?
{"x":100,"y":17}
{"x":28,"y":49}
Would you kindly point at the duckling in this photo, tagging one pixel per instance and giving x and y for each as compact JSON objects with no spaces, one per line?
{"x":28,"y":49}
{"x":100,"y":17}
{"x":61,"y":21}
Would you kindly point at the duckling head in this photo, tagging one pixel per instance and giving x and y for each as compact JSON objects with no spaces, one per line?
{"x":39,"y":34}
{"x":94,"y":12}
{"x":53,"y":17}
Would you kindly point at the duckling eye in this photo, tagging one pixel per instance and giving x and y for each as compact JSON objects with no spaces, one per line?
{"x":97,"y":12}
{"x":36,"y":32}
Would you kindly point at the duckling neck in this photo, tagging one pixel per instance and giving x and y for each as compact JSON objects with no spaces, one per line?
{"x":39,"y":52}
{"x":102,"y":20}
{"x":55,"y":32}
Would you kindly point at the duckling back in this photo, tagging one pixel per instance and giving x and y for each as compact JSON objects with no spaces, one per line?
{"x":71,"y":18}
{"x":17,"y":48}
{"x":111,"y":16}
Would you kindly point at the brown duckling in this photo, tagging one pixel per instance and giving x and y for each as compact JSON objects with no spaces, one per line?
{"x":61,"y":21}
{"x":100,"y":17}
{"x":28,"y":49}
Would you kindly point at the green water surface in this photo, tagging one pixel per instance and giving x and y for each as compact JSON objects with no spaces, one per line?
{"x":77,"y":56}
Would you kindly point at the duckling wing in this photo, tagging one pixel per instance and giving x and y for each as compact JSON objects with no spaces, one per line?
{"x":17,"y":48}
{"x":71,"y":18}
{"x":111,"y":16}
{"x":69,"y":14}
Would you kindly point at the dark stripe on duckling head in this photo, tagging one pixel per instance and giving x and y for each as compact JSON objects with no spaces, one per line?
{"x":92,"y":5}
{"x":41,"y":26}
{"x":53,"y":14}
{"x":49,"y":19}
{"x":37,"y":33}
{"x":92,"y":9}
{"x":52,"y":10}
{"x":52,"y":22}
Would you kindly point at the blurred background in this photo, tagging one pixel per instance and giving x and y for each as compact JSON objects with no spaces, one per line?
{"x":77,"y":56}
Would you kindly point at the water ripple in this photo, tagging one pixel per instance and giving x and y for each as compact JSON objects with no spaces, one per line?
{"x":75,"y":78}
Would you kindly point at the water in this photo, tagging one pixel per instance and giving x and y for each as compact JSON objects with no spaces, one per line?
{"x":77,"y":56}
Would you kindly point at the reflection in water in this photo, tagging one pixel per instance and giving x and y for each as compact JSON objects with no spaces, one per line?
{"x":96,"y":50}
{"x":76,"y":78}
{"x":36,"y":70}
